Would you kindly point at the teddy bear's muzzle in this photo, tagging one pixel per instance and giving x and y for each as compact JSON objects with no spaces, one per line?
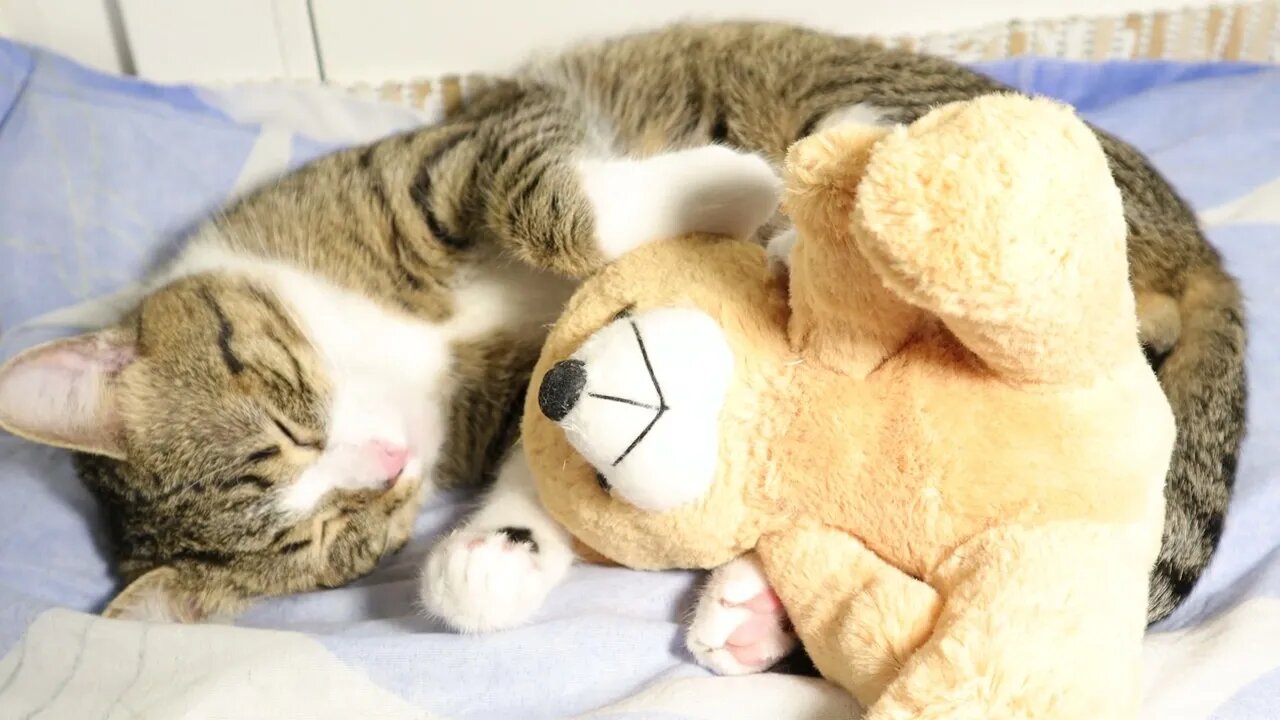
{"x":640,"y":401}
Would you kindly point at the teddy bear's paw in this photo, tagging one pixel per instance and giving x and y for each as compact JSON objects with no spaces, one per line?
{"x":739,"y":626}
{"x":710,"y":189}
{"x":484,"y":580}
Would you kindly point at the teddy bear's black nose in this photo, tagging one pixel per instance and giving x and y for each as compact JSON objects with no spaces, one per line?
{"x":561,"y":387}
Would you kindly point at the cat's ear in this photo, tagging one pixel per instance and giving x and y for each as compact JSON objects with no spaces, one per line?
{"x":157,"y":596}
{"x":63,"y":393}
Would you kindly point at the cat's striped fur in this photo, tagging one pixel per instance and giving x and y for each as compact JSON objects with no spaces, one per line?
{"x":462,"y":229}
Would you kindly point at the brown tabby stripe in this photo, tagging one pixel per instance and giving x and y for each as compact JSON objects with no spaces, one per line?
{"x":225,"y":333}
{"x":400,"y":245}
{"x":420,"y":192}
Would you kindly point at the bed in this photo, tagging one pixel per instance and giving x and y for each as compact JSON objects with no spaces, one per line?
{"x":99,"y":173}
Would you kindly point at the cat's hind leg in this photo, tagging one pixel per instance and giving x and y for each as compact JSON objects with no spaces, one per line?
{"x":562,"y":194}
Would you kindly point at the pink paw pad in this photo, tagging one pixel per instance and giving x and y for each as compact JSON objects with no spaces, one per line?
{"x":754,"y":642}
{"x":740,"y":625}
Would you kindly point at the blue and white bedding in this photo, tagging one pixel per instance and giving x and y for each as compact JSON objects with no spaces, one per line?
{"x":97,"y":174}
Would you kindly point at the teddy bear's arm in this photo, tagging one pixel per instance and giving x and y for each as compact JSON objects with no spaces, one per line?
{"x":1000,"y":216}
{"x":842,"y":316}
{"x":859,"y":618}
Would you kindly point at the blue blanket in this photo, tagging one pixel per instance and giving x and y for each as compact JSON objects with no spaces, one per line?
{"x":98,"y":174}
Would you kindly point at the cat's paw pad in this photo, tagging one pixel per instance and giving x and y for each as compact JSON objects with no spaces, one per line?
{"x":484,"y":580}
{"x":739,"y":626}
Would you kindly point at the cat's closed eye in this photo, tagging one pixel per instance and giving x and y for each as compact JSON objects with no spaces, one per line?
{"x":263,"y":455}
{"x":290,"y":542}
{"x":295,"y":437}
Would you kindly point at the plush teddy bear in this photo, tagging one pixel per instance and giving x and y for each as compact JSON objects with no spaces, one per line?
{"x":940,"y":437}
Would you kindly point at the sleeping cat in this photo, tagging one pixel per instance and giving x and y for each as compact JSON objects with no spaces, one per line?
{"x":318,"y":356}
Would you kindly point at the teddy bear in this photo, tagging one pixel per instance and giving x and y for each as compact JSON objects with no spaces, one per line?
{"x":937,"y":432}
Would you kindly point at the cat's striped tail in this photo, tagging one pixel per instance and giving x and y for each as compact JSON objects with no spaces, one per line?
{"x":1204,"y":378}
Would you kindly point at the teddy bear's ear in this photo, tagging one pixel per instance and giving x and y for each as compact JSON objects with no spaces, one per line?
{"x":824,"y":169}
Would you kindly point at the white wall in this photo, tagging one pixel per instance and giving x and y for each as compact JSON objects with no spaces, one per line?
{"x":380,"y":40}
{"x":221,"y":40}
{"x":370,"y":40}
{"x":87,"y":30}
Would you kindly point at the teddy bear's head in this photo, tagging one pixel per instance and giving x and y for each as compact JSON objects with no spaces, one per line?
{"x":637,"y":419}
{"x":653,"y":405}
{"x":646,"y":410}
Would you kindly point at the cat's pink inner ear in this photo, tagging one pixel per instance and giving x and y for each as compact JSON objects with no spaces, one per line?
{"x":63,"y":392}
{"x":95,"y":353}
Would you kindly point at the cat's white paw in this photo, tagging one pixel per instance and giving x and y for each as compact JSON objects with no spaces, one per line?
{"x":739,"y":626}
{"x":710,"y":189}
{"x":779,"y":250}
{"x":715,"y":189}
{"x":858,"y":115}
{"x":479,"y":580}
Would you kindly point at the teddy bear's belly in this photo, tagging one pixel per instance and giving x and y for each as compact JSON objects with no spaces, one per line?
{"x":916,"y":462}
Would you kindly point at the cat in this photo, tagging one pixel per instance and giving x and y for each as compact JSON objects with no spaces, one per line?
{"x":321,"y":354}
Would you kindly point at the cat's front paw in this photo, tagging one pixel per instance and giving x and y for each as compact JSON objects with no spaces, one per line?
{"x":479,"y":580}
{"x":739,"y":626}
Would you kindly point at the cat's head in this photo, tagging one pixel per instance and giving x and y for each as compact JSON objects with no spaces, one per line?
{"x":234,"y":456}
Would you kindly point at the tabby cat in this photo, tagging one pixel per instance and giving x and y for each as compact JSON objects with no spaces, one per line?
{"x":269,"y":416}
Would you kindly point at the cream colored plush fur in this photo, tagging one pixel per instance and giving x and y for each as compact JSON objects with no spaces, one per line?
{"x":941,"y":438}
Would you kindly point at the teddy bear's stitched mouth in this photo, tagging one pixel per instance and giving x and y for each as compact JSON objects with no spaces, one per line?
{"x":658,"y":410}
{"x":639,"y":400}
{"x":564,"y":386}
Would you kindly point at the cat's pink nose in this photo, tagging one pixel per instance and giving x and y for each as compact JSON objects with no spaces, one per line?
{"x":391,"y":459}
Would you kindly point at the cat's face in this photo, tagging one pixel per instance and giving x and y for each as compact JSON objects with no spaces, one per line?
{"x":234,"y":454}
